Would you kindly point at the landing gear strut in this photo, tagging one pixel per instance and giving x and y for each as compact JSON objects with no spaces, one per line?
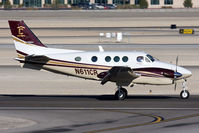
{"x":184,"y":93}
{"x":121,"y":93}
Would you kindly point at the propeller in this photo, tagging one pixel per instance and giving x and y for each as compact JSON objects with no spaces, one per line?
{"x":176,"y":74}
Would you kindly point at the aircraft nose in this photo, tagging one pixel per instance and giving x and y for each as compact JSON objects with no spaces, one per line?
{"x":185,"y":72}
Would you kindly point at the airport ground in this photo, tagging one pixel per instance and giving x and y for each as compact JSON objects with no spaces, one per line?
{"x":40,"y":102}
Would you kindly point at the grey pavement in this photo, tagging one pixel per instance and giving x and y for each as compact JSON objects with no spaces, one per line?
{"x":96,"y":114}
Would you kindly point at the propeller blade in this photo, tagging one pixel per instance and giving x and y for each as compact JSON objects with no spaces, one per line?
{"x":175,"y":72}
{"x":176,"y":63}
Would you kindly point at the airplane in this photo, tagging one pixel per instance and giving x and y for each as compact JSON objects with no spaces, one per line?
{"x":125,"y":68}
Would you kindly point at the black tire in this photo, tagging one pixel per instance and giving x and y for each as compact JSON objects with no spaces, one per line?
{"x":184,"y":94}
{"x":122,"y":95}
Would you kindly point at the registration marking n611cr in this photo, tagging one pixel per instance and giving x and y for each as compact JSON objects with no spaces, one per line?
{"x":83,"y":71}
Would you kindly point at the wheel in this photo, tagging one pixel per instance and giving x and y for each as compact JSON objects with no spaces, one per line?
{"x":184,"y":94}
{"x":121,"y":95}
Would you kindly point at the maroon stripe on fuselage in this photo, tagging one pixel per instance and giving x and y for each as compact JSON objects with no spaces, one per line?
{"x":61,"y":65}
{"x":21,"y":53}
{"x":160,"y":71}
{"x":151,"y":75}
{"x":76,"y":67}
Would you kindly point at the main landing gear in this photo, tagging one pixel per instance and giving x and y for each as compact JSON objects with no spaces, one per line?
{"x":184,"y":93}
{"x":121,"y":93}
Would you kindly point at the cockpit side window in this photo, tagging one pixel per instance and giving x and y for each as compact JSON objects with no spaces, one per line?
{"x":147,"y":60}
{"x":140,"y":59}
{"x":151,"y":57}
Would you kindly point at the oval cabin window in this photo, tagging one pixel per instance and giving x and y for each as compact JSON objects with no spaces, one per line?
{"x":78,"y":58}
{"x":94,"y":58}
{"x":125,"y":59}
{"x":116,"y":58}
{"x":108,"y":59}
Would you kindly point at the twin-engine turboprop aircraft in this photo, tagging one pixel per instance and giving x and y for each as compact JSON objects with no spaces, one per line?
{"x":123,"y":68}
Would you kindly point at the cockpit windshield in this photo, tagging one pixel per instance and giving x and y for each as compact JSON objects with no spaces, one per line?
{"x":151,"y":57}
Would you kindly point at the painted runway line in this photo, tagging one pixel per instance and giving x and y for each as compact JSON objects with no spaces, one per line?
{"x":100,"y":108}
{"x":157,"y":120}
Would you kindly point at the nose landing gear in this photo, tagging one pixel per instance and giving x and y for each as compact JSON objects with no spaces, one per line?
{"x":184,"y":93}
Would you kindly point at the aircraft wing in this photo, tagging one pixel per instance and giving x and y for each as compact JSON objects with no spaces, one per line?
{"x":121,"y":75}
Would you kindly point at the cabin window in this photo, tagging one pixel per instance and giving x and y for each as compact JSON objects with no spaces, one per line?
{"x":107,"y":58}
{"x":116,"y":58}
{"x":77,"y":58}
{"x":94,"y":58}
{"x":168,"y":2}
{"x":155,"y":2}
{"x":140,"y":58}
{"x":125,"y":59}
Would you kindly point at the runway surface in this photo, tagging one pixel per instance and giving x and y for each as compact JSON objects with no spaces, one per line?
{"x":96,"y":102}
{"x":96,"y":114}
{"x":23,"y":108}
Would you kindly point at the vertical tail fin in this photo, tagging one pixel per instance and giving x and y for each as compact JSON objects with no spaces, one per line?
{"x":21,"y":31}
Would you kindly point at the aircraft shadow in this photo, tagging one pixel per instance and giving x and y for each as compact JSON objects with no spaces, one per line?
{"x":89,"y":97}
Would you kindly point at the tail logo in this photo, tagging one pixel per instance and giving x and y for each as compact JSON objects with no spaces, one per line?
{"x":20,"y":31}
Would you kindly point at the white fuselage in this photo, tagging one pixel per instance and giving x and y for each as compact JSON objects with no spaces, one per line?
{"x":89,"y":64}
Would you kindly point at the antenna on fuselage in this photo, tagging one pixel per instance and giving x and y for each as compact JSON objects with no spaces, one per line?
{"x":101,"y":49}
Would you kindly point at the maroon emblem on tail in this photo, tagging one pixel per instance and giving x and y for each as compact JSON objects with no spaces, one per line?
{"x":20,"y":30}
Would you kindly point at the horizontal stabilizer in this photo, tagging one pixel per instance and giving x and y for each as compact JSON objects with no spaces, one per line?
{"x":38,"y":59}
